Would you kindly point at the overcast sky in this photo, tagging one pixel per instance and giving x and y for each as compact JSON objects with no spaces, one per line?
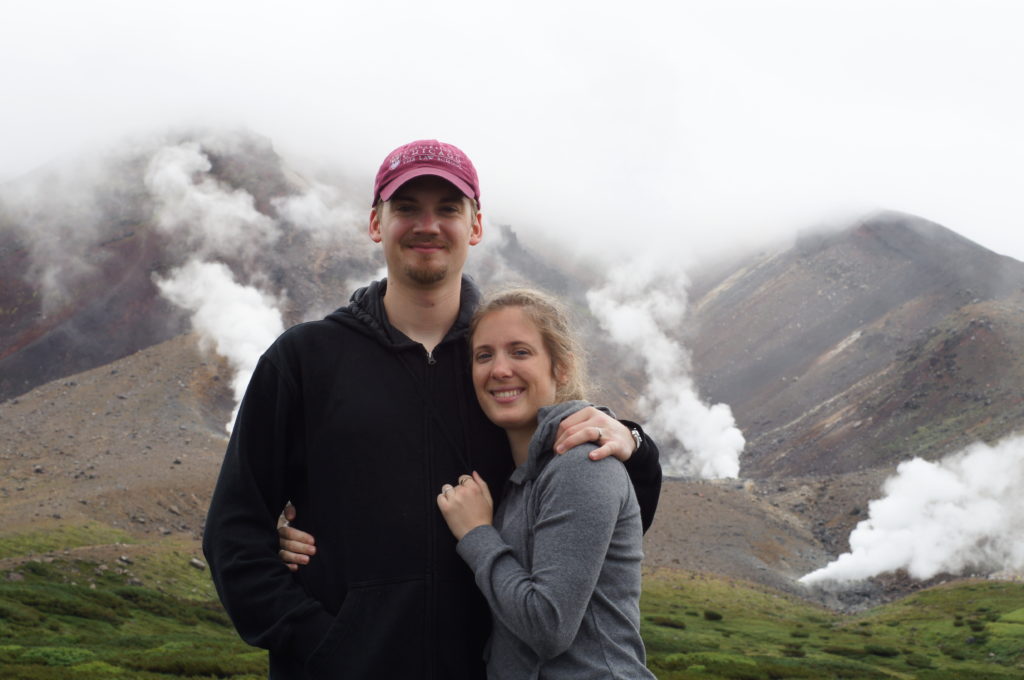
{"x":627,"y":126}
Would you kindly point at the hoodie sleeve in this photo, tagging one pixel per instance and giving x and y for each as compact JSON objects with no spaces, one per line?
{"x":644,"y":468}
{"x":578,"y":502}
{"x":268,"y":607}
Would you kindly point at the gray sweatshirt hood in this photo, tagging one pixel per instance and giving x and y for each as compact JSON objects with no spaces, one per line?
{"x":542,"y":444}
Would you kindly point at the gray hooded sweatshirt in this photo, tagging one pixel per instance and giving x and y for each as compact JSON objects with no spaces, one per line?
{"x":560,"y":567}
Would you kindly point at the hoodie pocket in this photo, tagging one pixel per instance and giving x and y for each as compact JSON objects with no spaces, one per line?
{"x":378,"y":633}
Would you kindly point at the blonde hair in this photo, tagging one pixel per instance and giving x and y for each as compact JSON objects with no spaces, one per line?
{"x":552,"y":322}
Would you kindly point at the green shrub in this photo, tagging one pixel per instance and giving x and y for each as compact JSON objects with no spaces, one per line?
{"x":794,"y":650}
{"x":59,"y":599}
{"x":915,"y":660}
{"x":157,"y":603}
{"x":881,"y":650}
{"x":96,"y":669}
{"x":14,"y":612}
{"x":979,"y":639}
{"x":799,"y":633}
{"x":56,"y":656}
{"x":848,"y":652}
{"x":667,"y":622}
{"x":711,"y":615}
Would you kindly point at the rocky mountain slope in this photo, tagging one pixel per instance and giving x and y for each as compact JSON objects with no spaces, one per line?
{"x":891,"y":339}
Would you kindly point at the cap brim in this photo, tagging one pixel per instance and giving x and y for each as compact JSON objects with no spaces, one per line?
{"x":391,"y":187}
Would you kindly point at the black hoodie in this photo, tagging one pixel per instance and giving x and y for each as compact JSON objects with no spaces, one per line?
{"x":359,"y":427}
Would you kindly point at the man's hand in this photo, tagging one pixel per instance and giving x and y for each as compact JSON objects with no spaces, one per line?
{"x":591,"y":425}
{"x":296,"y":546}
{"x":467,"y":505}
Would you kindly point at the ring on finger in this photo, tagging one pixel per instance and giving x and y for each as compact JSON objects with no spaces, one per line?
{"x":600,"y":434}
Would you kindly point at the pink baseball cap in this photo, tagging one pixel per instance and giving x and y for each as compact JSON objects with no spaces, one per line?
{"x":426,"y":157}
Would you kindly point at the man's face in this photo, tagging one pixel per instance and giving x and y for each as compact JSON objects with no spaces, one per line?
{"x":426,"y":228}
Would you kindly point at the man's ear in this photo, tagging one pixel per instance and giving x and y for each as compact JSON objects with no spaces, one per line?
{"x":477,"y":234}
{"x":374,"y":229}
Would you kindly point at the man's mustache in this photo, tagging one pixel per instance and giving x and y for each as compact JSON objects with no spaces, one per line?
{"x":419,"y":241}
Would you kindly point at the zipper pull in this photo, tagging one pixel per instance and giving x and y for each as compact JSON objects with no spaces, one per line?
{"x":430,"y":358}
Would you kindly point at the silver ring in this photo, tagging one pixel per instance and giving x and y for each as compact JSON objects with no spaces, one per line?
{"x":600,"y":434}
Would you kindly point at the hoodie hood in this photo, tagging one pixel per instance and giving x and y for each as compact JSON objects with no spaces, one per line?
{"x":543,"y":442}
{"x":365,"y":312}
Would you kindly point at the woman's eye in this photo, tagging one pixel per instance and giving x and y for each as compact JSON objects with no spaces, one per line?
{"x":482,"y":356}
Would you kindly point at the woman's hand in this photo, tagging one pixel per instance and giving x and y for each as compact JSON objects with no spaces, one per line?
{"x":467,"y":505}
{"x":296,"y":546}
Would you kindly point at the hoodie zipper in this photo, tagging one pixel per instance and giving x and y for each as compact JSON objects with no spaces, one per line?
{"x":432,"y":598}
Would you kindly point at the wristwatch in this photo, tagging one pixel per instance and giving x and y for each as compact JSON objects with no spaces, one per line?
{"x":637,"y":438}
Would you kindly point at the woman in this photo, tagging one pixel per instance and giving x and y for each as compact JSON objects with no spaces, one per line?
{"x":559,"y":563}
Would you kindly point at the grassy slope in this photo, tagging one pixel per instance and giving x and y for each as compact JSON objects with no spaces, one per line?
{"x":970,"y":629}
{"x":73,"y":618}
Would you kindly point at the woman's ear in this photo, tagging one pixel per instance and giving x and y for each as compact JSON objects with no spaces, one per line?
{"x":561,"y":375}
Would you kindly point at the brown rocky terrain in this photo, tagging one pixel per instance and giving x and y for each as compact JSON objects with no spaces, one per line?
{"x":137,"y":445}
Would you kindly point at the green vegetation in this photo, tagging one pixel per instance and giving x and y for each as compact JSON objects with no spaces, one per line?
{"x":153,"y":616}
{"x":71,"y":619}
{"x":60,"y":537}
{"x":763,"y":635}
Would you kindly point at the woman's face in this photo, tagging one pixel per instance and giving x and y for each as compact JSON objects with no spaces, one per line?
{"x":512,"y":373}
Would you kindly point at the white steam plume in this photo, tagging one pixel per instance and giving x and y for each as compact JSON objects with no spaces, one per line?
{"x":638,"y":306}
{"x":239,"y":322}
{"x":193,"y":205}
{"x":212,"y":219}
{"x":209,"y":219}
{"x":963,"y":512}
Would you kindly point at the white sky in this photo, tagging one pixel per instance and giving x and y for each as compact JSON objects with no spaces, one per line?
{"x":682,"y":126}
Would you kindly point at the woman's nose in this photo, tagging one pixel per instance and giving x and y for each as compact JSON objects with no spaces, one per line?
{"x":501,"y":368}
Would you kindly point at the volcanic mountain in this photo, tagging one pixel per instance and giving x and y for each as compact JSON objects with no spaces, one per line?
{"x":841,"y":355}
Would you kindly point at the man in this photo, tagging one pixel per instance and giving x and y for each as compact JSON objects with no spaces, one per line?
{"x":359,"y":419}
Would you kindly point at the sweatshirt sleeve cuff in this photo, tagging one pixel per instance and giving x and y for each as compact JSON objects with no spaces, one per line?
{"x":308,"y":634}
{"x":478,"y":544}
{"x":641,"y":455}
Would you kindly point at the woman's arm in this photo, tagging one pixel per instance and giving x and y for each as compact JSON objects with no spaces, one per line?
{"x":578,"y":504}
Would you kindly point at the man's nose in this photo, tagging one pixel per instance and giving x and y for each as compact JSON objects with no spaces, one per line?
{"x":428,"y":222}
